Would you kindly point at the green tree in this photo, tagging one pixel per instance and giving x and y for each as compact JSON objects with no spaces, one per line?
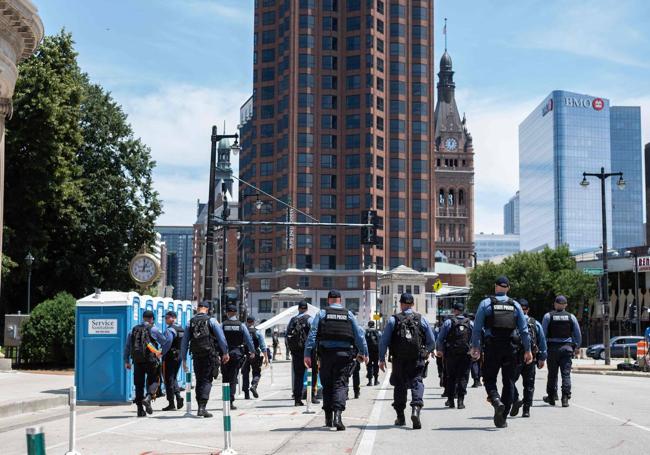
{"x":537,"y":277}
{"x":79,"y":191}
{"x":48,"y":335}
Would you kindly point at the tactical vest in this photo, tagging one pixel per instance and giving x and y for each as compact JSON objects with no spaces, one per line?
{"x":336,"y":326}
{"x":503,"y":319}
{"x":560,"y":325}
{"x":233,"y":333}
{"x":408,"y":337}
{"x":202,"y":340}
{"x":256,"y":341}
{"x":175,"y":348}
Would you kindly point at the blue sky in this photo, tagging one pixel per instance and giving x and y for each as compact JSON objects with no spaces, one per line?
{"x":180,"y":66}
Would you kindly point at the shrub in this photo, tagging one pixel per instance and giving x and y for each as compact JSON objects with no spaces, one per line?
{"x":48,"y":335}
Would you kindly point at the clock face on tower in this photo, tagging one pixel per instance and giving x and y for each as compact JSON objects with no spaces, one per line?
{"x":451,"y":144}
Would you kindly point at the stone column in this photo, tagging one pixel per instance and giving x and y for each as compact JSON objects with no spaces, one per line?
{"x":21,"y":30}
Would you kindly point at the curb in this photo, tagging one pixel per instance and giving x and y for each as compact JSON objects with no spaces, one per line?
{"x":632,"y":374}
{"x":39,"y":404}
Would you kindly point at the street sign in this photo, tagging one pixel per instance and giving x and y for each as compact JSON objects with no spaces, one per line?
{"x":437,"y":286}
{"x":376,"y":317}
{"x":643,"y":264}
{"x":593,"y":271}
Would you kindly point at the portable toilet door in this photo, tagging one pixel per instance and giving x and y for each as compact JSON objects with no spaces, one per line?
{"x":137,"y":312}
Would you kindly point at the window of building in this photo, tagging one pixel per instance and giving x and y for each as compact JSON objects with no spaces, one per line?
{"x":328,"y":181}
{"x":328,"y":141}
{"x":353,"y":23}
{"x":268,"y":37}
{"x":419,"y":13}
{"x":353,"y":101}
{"x":329,"y":62}
{"x":328,"y":201}
{"x":266,"y":169}
{"x":328,"y":161}
{"x":352,"y":201}
{"x":305,"y":200}
{"x":353,"y":43}
{"x":305,"y":120}
{"x":306,"y":41}
{"x":353,"y":121}
{"x":306,"y":61}
{"x":303,"y":261}
{"x":329,"y":102}
{"x":267,"y":111}
{"x":264,"y":305}
{"x":352,"y":181}
{"x":352,"y":262}
{"x":352,"y":161}
{"x":328,"y":262}
{"x":268,"y":18}
{"x":307,"y":21}
{"x":330,"y":43}
{"x":305,"y":159}
{"x":329,"y":121}
{"x":305,"y":140}
{"x":419,"y":69}
{"x":328,"y":241}
{"x":328,"y":283}
{"x":353,"y":82}
{"x":305,"y":100}
{"x":329,"y":82}
{"x":330,"y":24}
{"x":305,"y":180}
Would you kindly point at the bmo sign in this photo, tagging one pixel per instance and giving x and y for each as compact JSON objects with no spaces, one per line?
{"x":597,"y":104}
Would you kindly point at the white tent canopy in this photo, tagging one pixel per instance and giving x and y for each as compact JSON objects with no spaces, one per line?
{"x":284,"y":317}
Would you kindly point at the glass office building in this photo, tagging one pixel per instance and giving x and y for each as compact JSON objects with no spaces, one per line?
{"x":566,"y":135}
{"x":179,"y":241}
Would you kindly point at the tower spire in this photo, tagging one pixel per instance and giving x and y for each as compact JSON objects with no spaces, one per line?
{"x":444,"y":32}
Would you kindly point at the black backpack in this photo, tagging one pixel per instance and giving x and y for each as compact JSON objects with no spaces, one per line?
{"x":532,"y":330}
{"x":140,"y":338}
{"x":297,"y":337}
{"x":459,"y":336}
{"x":407,"y":338}
{"x":372,"y":340}
{"x":202,"y":339}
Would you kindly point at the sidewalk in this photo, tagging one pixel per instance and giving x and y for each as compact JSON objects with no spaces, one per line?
{"x":22,"y":392}
{"x":591,"y":366}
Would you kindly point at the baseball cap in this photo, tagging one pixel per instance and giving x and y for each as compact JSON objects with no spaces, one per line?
{"x":406,"y":298}
{"x":371,"y":324}
{"x":334,"y":294}
{"x":523,"y":303}
{"x":171,"y":313}
{"x":503,"y":281}
{"x":147,"y":314}
{"x":204,"y":304}
{"x":302,"y":305}
{"x":561,"y":299}
{"x":231,"y":308}
{"x":250,"y":319}
{"x":459,"y":306}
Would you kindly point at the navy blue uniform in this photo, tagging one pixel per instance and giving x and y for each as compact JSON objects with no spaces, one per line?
{"x":406,"y":373}
{"x":171,"y":365}
{"x":297,"y":360}
{"x":563,"y":335}
{"x":147,"y":373}
{"x":527,"y":371}
{"x":253,"y":366}
{"x":457,"y":364}
{"x":239,"y":339}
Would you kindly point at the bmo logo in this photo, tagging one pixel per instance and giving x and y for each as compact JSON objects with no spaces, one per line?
{"x":597,"y":104}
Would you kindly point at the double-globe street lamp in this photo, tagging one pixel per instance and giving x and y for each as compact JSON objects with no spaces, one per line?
{"x":604,"y":292}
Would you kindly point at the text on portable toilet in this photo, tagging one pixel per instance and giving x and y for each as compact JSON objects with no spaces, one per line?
{"x":102,"y":326}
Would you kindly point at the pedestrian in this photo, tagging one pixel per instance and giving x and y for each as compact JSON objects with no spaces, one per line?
{"x":254,"y":365}
{"x":334,"y":334}
{"x":275,"y":342}
{"x":372,"y":336}
{"x":297,"y":333}
{"x":145,"y":345}
{"x":240,"y":346}
{"x":475,"y":365}
{"x":205,"y":340}
{"x":172,"y":363}
{"x":410,"y":339}
{"x":499,"y":315}
{"x":563,"y":336}
{"x":527,"y":371}
{"x":453,"y":345}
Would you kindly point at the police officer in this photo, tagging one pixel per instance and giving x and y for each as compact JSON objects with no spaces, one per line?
{"x":373,"y":336}
{"x":410,"y":339}
{"x":239,"y":343}
{"x":172,"y":363}
{"x":296,"y":338}
{"x":255,"y":364}
{"x":527,"y":371}
{"x":276,"y":342}
{"x":500,"y":316}
{"x":356,"y":376}
{"x":205,"y":340}
{"x":563,"y":336}
{"x":145,"y":345}
{"x":334,"y":333}
{"x":453,"y":346}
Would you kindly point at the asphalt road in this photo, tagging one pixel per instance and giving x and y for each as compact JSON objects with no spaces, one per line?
{"x":607,"y":415}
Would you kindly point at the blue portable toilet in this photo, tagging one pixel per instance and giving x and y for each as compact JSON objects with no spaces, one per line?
{"x":160,"y":313}
{"x":103,"y":321}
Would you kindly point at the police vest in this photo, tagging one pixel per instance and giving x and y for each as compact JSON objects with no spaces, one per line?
{"x":203,"y":342}
{"x":256,"y":341}
{"x":560,"y":325}
{"x":336,"y":325}
{"x":233,"y":333}
{"x":503,"y":319}
{"x":175,"y":348}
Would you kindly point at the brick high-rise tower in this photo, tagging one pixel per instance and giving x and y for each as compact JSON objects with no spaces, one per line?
{"x":454,"y":175}
{"x":342,"y":121}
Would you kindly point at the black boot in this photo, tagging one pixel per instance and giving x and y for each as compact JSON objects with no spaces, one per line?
{"x":514,"y":411}
{"x":376,"y":381}
{"x":247,"y":395}
{"x":232,"y":405}
{"x":338,"y":423}
{"x":450,"y":403}
{"x":254,"y":391}
{"x":400,"y":421}
{"x":550,"y":399}
{"x":477,"y":384}
{"x":499,"y":411}
{"x":565,"y":401}
{"x":141,"y":411}
{"x":179,"y":401}
{"x":526,"y":411}
{"x":203,"y":412}
{"x":415,"y":417}
{"x":146,"y":402}
{"x":369,"y":383}
{"x":298,"y":403}
{"x":170,"y":406}
{"x":314,"y":399}
{"x":328,"y":418}
{"x":357,"y":392}
{"x":461,"y":402}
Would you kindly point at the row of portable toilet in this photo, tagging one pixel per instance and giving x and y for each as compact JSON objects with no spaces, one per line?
{"x":103,"y":321}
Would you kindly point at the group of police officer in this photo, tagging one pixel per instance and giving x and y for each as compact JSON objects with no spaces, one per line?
{"x":502,"y":337}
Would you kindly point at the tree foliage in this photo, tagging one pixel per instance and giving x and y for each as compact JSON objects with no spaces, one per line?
{"x":48,"y":335}
{"x":79,"y":190}
{"x":537,"y":277}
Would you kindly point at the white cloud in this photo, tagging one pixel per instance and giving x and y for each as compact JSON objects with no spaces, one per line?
{"x":241,"y":14}
{"x":175,"y":121}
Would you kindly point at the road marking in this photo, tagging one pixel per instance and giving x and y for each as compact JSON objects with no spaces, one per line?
{"x":368,"y":435}
{"x":618,"y":419}
{"x":90,"y":435}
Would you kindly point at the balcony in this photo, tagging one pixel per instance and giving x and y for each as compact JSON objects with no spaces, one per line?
{"x":452,"y":212}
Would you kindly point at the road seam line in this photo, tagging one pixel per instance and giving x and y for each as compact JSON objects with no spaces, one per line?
{"x":368,"y":435}
{"x":618,"y":419}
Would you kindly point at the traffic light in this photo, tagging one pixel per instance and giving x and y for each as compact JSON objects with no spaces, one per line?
{"x":369,"y":233}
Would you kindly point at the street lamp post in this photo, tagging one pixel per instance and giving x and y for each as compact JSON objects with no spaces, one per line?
{"x":475,"y":257}
{"x":209,"y":234}
{"x":604,"y":292}
{"x":29,"y":260}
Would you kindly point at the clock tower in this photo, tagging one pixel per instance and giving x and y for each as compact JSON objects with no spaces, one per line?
{"x":454,"y":173}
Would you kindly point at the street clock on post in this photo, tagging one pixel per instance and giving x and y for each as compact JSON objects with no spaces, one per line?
{"x":144,"y":269}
